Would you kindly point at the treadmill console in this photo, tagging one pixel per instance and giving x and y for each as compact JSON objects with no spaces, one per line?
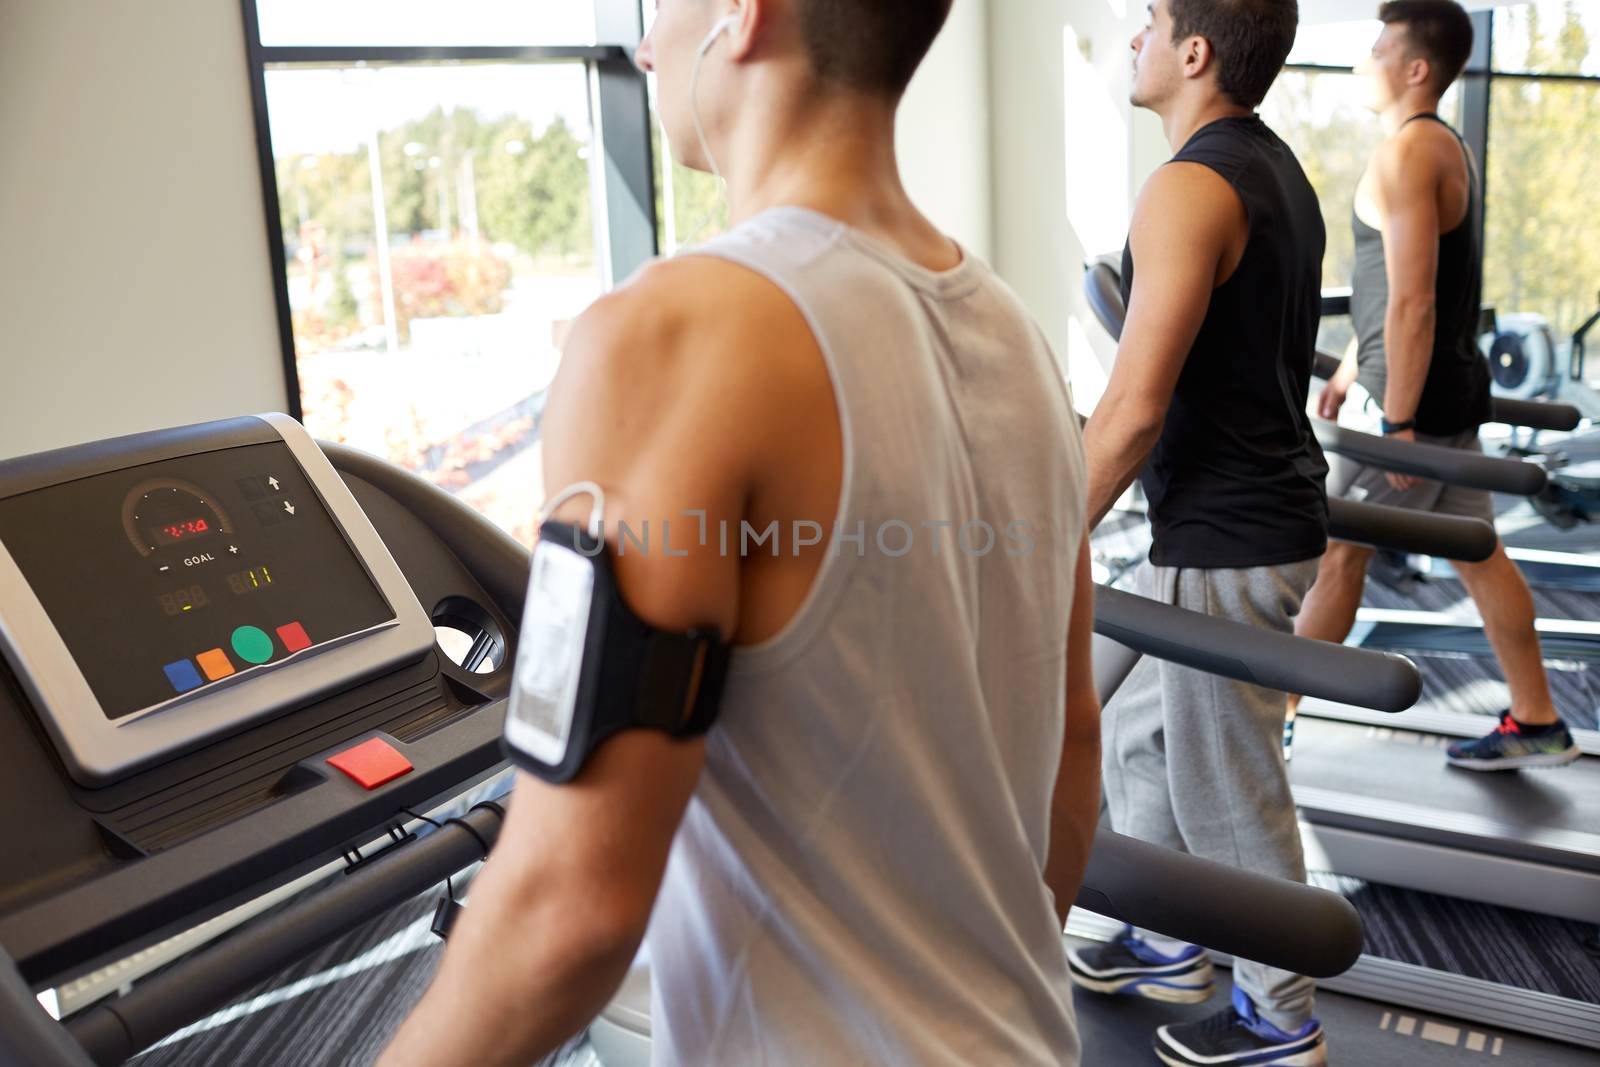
{"x":190,"y":591}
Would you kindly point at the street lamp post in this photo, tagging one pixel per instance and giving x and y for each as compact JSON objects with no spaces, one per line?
{"x":363,"y":78}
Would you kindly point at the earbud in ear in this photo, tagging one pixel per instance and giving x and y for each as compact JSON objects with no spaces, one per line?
{"x":722,"y":27}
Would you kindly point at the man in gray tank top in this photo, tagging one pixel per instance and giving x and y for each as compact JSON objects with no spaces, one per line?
{"x":847,"y":446}
{"x":1417,"y":374}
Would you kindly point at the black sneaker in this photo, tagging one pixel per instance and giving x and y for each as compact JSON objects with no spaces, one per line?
{"x":1237,"y":1035}
{"x":1514,"y":744}
{"x":1128,"y":965}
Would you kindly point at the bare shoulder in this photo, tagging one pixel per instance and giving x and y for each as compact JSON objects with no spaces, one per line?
{"x":678,"y":321}
{"x":1416,"y":157}
{"x":1182,"y":184}
{"x":1188,"y":204}
{"x":696,"y":361}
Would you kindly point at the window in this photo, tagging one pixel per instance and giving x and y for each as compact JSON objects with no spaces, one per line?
{"x":443,"y":215}
{"x":427,"y":331}
{"x":1542,"y":253}
{"x":1548,"y":37}
{"x":426,"y":23}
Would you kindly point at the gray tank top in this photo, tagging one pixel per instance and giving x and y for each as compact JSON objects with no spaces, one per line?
{"x":859,"y":876}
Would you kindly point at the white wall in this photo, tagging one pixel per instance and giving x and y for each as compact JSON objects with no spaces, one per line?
{"x":944,"y":133}
{"x":135,"y":289}
{"x":1067,"y":156}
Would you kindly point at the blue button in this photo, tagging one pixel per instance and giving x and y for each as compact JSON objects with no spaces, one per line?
{"x":183,"y":676}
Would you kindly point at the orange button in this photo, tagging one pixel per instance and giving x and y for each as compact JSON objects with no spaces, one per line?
{"x":215,"y":664}
{"x":372,"y":763}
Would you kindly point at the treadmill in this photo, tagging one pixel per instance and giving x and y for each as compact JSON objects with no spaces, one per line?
{"x":1379,"y":805}
{"x":220,"y":685}
{"x":218,"y":679}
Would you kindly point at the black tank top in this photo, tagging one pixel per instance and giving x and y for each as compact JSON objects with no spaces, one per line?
{"x":1236,"y":479}
{"x":1455,"y":396}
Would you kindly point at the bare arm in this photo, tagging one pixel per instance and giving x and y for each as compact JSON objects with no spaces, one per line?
{"x":558,"y":912}
{"x":1188,"y":232}
{"x":1407,"y":196}
{"x":1075,"y":804}
{"x":1407,"y":182}
{"x":1333,"y":394}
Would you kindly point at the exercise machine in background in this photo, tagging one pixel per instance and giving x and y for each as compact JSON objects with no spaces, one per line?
{"x":1378,"y":803}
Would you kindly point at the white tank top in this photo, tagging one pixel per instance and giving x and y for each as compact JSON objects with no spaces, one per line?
{"x":859,"y":876}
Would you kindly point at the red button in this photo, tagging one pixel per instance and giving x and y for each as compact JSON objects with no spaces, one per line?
{"x":293,"y":636}
{"x":372,"y":763}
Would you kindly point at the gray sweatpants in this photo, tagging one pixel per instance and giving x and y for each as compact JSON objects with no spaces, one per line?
{"x":1195,"y":762}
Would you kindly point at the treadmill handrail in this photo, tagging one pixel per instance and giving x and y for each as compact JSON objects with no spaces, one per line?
{"x":1527,"y":414}
{"x":496,"y":560}
{"x":1253,"y":916}
{"x":1453,"y":537}
{"x":64,"y":928}
{"x":27,"y":1034}
{"x":1452,"y":466}
{"x":1289,"y":925}
{"x":1102,"y":287}
{"x":1383,"y":681}
{"x":113,"y":1031}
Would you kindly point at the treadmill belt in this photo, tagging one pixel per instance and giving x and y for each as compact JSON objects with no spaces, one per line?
{"x":336,"y":1008}
{"x":1503,"y":945}
{"x":1407,"y":767}
{"x":1473,"y":685}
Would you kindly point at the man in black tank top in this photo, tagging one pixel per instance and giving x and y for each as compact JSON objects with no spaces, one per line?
{"x":1417,"y":373}
{"x":1207,"y":406}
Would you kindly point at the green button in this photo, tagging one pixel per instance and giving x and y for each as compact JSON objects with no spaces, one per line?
{"x":252,"y":644}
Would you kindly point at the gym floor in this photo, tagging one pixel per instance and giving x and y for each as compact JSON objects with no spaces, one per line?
{"x":340,"y":1006}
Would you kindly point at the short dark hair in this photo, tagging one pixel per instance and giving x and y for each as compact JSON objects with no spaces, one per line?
{"x":1439,"y":31}
{"x":1250,"y":39}
{"x":872,"y":46}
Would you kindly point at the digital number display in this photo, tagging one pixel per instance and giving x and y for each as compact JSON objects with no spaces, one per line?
{"x":184,"y":601}
{"x":242,"y":582}
{"x":179,"y":531}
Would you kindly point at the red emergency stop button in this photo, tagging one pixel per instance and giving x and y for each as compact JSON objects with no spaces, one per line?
{"x":372,"y":763}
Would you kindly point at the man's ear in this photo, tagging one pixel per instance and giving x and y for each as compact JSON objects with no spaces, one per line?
{"x":1197,"y":56}
{"x":749,"y":18}
{"x":1418,"y":71}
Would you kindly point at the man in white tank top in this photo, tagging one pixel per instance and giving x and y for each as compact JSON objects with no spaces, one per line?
{"x":852,"y":450}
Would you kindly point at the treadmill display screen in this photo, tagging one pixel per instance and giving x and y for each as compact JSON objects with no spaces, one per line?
{"x":175,"y":577}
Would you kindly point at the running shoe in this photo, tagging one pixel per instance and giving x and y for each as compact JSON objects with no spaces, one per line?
{"x":1130,"y":966}
{"x":1514,"y":744}
{"x":1237,"y":1035}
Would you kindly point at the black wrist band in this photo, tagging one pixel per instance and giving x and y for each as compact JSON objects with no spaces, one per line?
{"x":1397,"y":427}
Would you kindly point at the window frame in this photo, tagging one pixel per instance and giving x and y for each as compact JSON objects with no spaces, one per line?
{"x":622,"y":174}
